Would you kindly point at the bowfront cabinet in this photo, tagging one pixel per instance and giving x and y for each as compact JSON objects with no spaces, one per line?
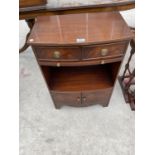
{"x":80,"y":55}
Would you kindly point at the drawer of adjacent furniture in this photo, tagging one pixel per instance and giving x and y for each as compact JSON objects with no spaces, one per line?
{"x":58,"y":54}
{"x":103,"y":51}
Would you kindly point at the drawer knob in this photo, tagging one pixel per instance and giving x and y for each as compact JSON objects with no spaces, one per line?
{"x":58,"y":64}
{"x":102,"y":62}
{"x":104,"y":52}
{"x":84,"y":99}
{"x":56,"y":54}
{"x":78,"y":99}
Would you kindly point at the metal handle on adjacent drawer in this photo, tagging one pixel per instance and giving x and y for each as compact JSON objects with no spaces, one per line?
{"x":56,"y":54}
{"x":104,"y":52}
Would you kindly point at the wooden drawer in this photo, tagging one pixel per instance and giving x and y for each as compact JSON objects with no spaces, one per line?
{"x":80,"y":63}
{"x":104,"y":51}
{"x":58,"y":54}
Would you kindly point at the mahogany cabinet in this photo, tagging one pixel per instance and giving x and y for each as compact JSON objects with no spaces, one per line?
{"x":80,"y":55}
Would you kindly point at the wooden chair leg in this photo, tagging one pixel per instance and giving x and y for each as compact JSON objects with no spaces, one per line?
{"x":25,"y":44}
{"x":30,"y":23}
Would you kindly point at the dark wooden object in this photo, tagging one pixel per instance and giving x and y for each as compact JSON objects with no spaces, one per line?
{"x":30,"y":3}
{"x":33,"y":12}
{"x":28,"y":11}
{"x":80,"y":55}
{"x":127,"y":80}
{"x":30,"y":23}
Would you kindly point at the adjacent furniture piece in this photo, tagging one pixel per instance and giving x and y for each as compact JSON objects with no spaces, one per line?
{"x":80,"y":55}
{"x":30,"y":21}
{"x":30,"y":3}
{"x":127,"y":80}
{"x":69,"y":7}
{"x":30,"y":9}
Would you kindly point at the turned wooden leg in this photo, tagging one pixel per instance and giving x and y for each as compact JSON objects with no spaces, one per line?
{"x":30,"y":23}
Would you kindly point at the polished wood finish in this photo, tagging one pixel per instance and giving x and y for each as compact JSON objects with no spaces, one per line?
{"x":82,"y":87}
{"x":101,"y":97}
{"x":88,"y":28}
{"x":33,"y":12}
{"x":58,"y":53}
{"x":80,"y":73}
{"x":79,"y":63}
{"x":82,"y":99}
{"x":104,"y":51}
{"x":42,"y":10}
{"x":66,"y":98}
{"x":80,"y":78}
{"x":29,"y":3}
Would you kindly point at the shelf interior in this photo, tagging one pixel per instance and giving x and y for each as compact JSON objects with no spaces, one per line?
{"x":79,"y":78}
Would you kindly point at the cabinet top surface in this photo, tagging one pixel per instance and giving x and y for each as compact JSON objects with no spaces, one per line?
{"x":74,"y":29}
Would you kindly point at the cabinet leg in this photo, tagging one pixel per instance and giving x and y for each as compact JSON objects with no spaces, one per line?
{"x":57,"y":106}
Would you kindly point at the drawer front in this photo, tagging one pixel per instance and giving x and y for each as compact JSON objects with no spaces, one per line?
{"x":80,"y":63}
{"x":66,"y":98}
{"x":104,"y":51}
{"x":96,"y":97}
{"x":58,"y":54}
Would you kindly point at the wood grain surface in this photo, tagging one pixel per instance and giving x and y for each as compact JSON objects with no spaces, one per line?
{"x":89,"y":27}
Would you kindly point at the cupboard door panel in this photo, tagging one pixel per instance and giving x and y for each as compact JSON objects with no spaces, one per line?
{"x":66,"y":98}
{"x":96,"y":97}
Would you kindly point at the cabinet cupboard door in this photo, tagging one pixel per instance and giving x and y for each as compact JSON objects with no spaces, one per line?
{"x":66,"y":98}
{"x":96,"y":97}
{"x":82,"y":99}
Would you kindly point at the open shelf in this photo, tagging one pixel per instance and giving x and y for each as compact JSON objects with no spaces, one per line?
{"x":79,"y":78}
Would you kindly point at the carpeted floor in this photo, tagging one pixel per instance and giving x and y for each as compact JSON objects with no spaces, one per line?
{"x":70,"y":131}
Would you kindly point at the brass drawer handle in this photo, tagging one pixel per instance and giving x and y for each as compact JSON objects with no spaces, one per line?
{"x":56,"y":54}
{"x":104,"y":52}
